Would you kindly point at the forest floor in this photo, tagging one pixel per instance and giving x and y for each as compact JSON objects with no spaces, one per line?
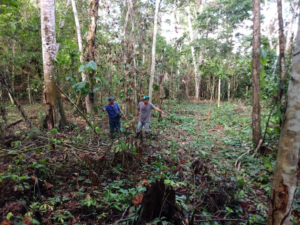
{"x":185,"y":172}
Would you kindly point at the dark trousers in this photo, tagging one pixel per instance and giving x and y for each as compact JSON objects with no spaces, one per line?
{"x":115,"y":125}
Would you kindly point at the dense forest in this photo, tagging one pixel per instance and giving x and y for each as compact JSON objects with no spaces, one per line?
{"x":149,"y":112}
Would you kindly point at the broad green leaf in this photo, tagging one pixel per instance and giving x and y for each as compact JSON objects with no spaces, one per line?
{"x":155,"y":221}
{"x":81,"y":68}
{"x":250,"y":65}
{"x":253,"y":172}
{"x":93,"y":65}
{"x":267,"y":162}
{"x":263,"y":53}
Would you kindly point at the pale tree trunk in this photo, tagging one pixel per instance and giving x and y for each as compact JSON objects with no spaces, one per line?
{"x":290,"y":31}
{"x":287,"y":163}
{"x":197,"y":78}
{"x":135,"y":102}
{"x":28,"y":88}
{"x":153,"y":50}
{"x":281,"y":50}
{"x":12,"y":81}
{"x":79,"y":38}
{"x":256,"y":121}
{"x":161,"y":94}
{"x":55,"y":114}
{"x":126,"y":20}
{"x":228,"y":89}
{"x":90,"y":51}
{"x":62,"y":22}
{"x":219,"y":92}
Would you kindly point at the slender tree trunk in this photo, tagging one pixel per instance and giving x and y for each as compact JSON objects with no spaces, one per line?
{"x":28,"y":88}
{"x":281,"y":49}
{"x":62,"y":22}
{"x":126,"y":20}
{"x":256,"y":121}
{"x":228,"y":89}
{"x":287,"y":163}
{"x":197,"y":77}
{"x":290,"y":31}
{"x":219,"y":92}
{"x":54,"y":108}
{"x":90,"y":51}
{"x":12,"y":80}
{"x":79,"y":38}
{"x":153,"y":50}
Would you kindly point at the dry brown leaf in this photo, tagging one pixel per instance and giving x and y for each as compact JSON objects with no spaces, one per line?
{"x":145,"y":182}
{"x":13,"y":207}
{"x":6,"y":222}
{"x":34,"y":178}
{"x":27,"y":220}
{"x":137,"y":199}
{"x":47,"y":185}
{"x":47,"y":222}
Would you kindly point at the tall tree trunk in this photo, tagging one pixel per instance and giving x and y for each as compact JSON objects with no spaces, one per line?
{"x":281,"y":50}
{"x":153,"y":50}
{"x":287,"y":163}
{"x":79,"y":38}
{"x":291,"y":24}
{"x":54,"y":108}
{"x":90,"y":51}
{"x":256,"y":121}
{"x":28,"y":88}
{"x":12,"y":80}
{"x":219,"y":92}
{"x":228,"y":89}
{"x":197,"y":77}
{"x":62,"y":22}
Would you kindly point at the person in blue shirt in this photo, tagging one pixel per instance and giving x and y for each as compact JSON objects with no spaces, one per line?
{"x":114,"y":112}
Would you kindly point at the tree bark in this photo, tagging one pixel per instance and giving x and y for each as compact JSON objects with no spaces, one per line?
{"x":228,"y":89}
{"x":256,"y":120}
{"x":153,"y":50}
{"x":62,"y":22}
{"x":12,"y":82}
{"x":219,"y":92}
{"x":90,"y":51}
{"x":79,"y":38}
{"x":28,"y":88}
{"x":281,"y":50}
{"x":287,"y":163}
{"x":197,"y":77}
{"x":290,"y":31}
{"x":55,"y":114}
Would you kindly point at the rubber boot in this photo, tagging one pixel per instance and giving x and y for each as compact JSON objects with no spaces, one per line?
{"x":137,"y":135}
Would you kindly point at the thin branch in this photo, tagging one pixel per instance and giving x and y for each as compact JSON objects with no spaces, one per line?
{"x":77,"y":109}
{"x":223,"y":220}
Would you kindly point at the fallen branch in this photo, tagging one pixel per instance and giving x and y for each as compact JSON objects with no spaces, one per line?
{"x":23,"y":151}
{"x":3,"y":79}
{"x":13,"y":124}
{"x":238,"y":163}
{"x":223,"y":220}
{"x":77,"y":109}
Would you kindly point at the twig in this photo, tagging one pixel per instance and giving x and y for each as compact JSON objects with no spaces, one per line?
{"x":122,"y":216}
{"x":15,"y":101}
{"x":77,"y":109}
{"x":225,"y":220}
{"x":163,"y":205}
{"x":19,"y":152}
{"x":238,"y":163}
{"x":263,"y":140}
{"x":14,"y":123}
